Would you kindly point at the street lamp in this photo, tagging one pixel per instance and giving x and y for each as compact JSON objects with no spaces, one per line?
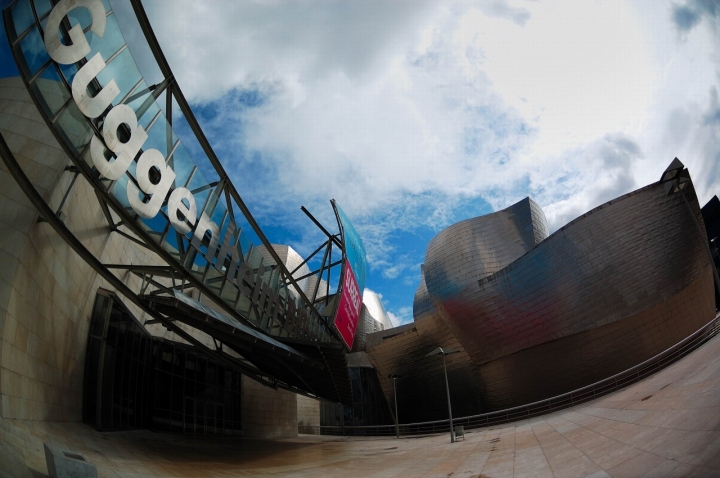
{"x":445,"y":352}
{"x":397,"y":420}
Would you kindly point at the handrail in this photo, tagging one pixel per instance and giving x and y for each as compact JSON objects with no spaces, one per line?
{"x":559,"y":402}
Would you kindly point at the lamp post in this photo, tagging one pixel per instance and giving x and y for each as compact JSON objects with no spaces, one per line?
{"x":397,"y":419}
{"x":445,"y":352}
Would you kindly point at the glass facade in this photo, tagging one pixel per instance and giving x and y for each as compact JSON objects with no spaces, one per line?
{"x":115,"y":395}
{"x":369,"y":406}
{"x":134,"y":380}
{"x":192,"y":394}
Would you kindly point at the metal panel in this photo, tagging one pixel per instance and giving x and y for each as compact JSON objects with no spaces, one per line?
{"x":535,"y":316}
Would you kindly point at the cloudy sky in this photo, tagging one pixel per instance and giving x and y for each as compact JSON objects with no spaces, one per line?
{"x":416,"y":114}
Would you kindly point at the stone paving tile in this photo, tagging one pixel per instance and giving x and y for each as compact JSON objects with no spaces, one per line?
{"x":531,"y":462}
{"x":667,"y":425}
{"x":671,"y":469}
{"x":472,"y":465}
{"x":580,"y":466}
{"x":643,"y":463}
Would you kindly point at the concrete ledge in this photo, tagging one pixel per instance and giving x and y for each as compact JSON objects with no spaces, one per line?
{"x":67,"y":464}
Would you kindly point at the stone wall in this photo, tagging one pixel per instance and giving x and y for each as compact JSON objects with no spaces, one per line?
{"x":268,"y":413}
{"x":46,"y":290}
{"x":308,"y":415}
{"x":41,"y":367}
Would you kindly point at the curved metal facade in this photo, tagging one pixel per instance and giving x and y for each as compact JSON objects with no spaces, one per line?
{"x":375,"y":307}
{"x":535,"y":316}
{"x":476,"y":248}
{"x":373,"y":318}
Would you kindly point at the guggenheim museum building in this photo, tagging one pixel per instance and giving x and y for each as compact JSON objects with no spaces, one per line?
{"x":138,"y":290}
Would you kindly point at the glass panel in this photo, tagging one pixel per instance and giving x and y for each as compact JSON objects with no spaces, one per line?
{"x":198,"y":181}
{"x":119,"y":191}
{"x":182,"y":164}
{"x":125,"y":73}
{"x":156,"y":224}
{"x":22,"y":16}
{"x":157,"y":136}
{"x":221,"y":218}
{"x":148,"y":115}
{"x":42,"y":7}
{"x":138,"y":97}
{"x":213,"y":280}
{"x":33,"y":48}
{"x":110,"y":42}
{"x":245,"y":244}
{"x":229,"y":292}
{"x":75,"y":127}
{"x":68,"y":72}
{"x":52,"y":89}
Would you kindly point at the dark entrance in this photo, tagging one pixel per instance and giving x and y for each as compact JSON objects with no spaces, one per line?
{"x":134,"y":380}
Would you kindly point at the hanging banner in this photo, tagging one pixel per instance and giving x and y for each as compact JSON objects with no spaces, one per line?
{"x":352,"y":284}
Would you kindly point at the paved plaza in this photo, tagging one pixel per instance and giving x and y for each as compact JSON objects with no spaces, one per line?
{"x":666,"y":425}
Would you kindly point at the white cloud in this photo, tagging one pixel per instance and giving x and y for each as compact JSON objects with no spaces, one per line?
{"x":576,"y":70}
{"x":371,"y":102}
{"x":401,"y":316}
{"x":407,"y":111}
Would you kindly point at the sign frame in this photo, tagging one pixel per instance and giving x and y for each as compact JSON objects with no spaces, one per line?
{"x":352,"y":280}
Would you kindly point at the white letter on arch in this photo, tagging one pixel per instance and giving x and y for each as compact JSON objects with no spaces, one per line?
{"x":125,"y":152}
{"x":149,"y":159}
{"x":67,"y":54}
{"x":175,"y":206}
{"x":89,"y":106}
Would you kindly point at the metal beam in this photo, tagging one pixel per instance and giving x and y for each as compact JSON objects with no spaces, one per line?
{"x":317,"y":223}
{"x":316,"y":271}
{"x":61,"y":229}
{"x":212,"y":157}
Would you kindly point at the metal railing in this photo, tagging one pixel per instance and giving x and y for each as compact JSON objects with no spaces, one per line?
{"x":541,"y":407}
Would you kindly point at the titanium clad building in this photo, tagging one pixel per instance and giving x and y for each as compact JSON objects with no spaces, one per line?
{"x":533,"y":316}
{"x":138,"y":290}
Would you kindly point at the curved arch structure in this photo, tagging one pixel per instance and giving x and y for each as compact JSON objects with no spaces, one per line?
{"x":171,"y":199}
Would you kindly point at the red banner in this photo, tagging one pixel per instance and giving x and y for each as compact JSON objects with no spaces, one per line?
{"x":346,"y":320}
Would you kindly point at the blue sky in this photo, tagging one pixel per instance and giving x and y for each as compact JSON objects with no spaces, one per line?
{"x":414,"y":115}
{"x":417,"y":114}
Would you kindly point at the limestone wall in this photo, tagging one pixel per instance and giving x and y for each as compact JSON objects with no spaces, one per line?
{"x":308,"y":415}
{"x":42,"y":342}
{"x":46,"y":290}
{"x":268,"y":413}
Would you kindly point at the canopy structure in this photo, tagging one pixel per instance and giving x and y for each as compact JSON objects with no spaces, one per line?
{"x":319,"y":369}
